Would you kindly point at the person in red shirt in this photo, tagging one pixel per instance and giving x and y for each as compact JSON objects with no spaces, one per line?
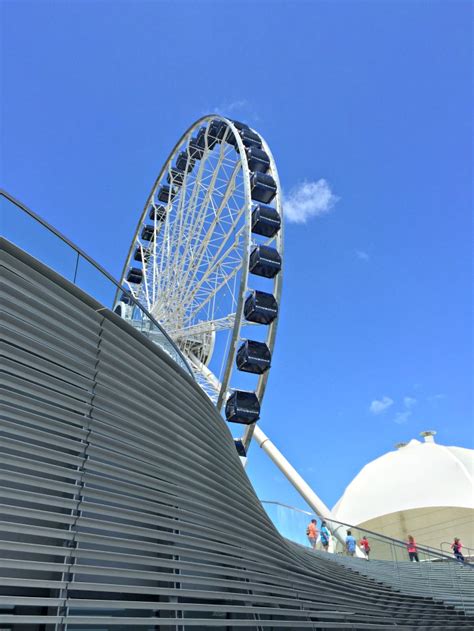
{"x":312,"y":533}
{"x":365,"y":546}
{"x":412,"y":549}
{"x":456,"y":547}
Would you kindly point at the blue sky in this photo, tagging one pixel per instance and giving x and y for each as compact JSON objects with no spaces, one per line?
{"x":375,"y":336}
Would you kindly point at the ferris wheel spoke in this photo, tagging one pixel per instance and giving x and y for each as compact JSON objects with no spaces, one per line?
{"x":221,"y":284}
{"x":223,"y":190}
{"x":195,"y":205}
{"x":176,"y":219}
{"x":197,"y":254}
{"x":200,"y":243}
{"x":206,"y":240}
{"x":222,"y":243}
{"x":187,"y":259}
{"x":218,"y":258}
{"x":200,"y":328}
{"x":173,"y":238}
{"x":209,"y":326}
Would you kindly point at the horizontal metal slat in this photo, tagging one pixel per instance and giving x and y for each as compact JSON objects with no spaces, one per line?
{"x":43,"y":416}
{"x":39,"y":294}
{"x":36,"y":514}
{"x":25,"y":359}
{"x":76,"y":603}
{"x":66,"y":334}
{"x":15,"y":327}
{"x":44,"y":394}
{"x":39,"y":435}
{"x":49,"y":469}
{"x":144,"y":622}
{"x":38,"y":348}
{"x":16,"y":528}
{"x":17,"y":480}
{"x":38,"y":452}
{"x":40,"y":378}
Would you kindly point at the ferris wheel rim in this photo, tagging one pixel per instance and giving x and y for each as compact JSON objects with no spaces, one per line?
{"x":273,"y":327}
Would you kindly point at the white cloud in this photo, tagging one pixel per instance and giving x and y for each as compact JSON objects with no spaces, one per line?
{"x":238,"y":108}
{"x":380,"y":405}
{"x":362,"y":255}
{"x":402,"y":417}
{"x":307,"y":200}
{"x":228,"y":108}
{"x":409,"y":402}
{"x":436,"y":397}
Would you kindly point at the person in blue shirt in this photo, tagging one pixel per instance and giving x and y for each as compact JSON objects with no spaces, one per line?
{"x":324,"y":536}
{"x":350,"y":544}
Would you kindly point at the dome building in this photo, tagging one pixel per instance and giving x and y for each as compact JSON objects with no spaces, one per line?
{"x":423,"y":489}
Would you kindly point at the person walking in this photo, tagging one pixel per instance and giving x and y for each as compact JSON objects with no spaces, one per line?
{"x":350,"y":544}
{"x":325,"y":536}
{"x":412,"y":549}
{"x":456,"y":547}
{"x":365,"y":546}
{"x":312,"y":533}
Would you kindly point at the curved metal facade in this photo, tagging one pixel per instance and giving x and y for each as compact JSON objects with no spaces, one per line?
{"x":124,"y":503}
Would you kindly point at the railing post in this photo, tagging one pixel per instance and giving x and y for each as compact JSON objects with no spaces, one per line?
{"x":76,"y":268}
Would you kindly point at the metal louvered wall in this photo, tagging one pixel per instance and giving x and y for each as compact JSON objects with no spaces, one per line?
{"x":124,"y":503}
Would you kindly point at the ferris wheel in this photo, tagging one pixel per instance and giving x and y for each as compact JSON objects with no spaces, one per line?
{"x":206,"y":261}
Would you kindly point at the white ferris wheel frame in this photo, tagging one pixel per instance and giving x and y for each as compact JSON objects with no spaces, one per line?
{"x":222,"y":385}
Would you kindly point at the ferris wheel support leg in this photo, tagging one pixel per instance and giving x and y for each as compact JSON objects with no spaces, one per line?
{"x":300,"y":485}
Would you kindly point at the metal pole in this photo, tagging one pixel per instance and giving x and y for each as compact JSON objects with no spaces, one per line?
{"x":303,"y":488}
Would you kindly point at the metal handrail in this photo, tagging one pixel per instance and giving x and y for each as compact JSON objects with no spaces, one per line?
{"x":299,"y":510}
{"x":397,"y":542}
{"x":390,"y":540}
{"x":99,"y":268}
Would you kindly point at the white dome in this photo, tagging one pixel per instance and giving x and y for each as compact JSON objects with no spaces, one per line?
{"x":417,"y":476}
